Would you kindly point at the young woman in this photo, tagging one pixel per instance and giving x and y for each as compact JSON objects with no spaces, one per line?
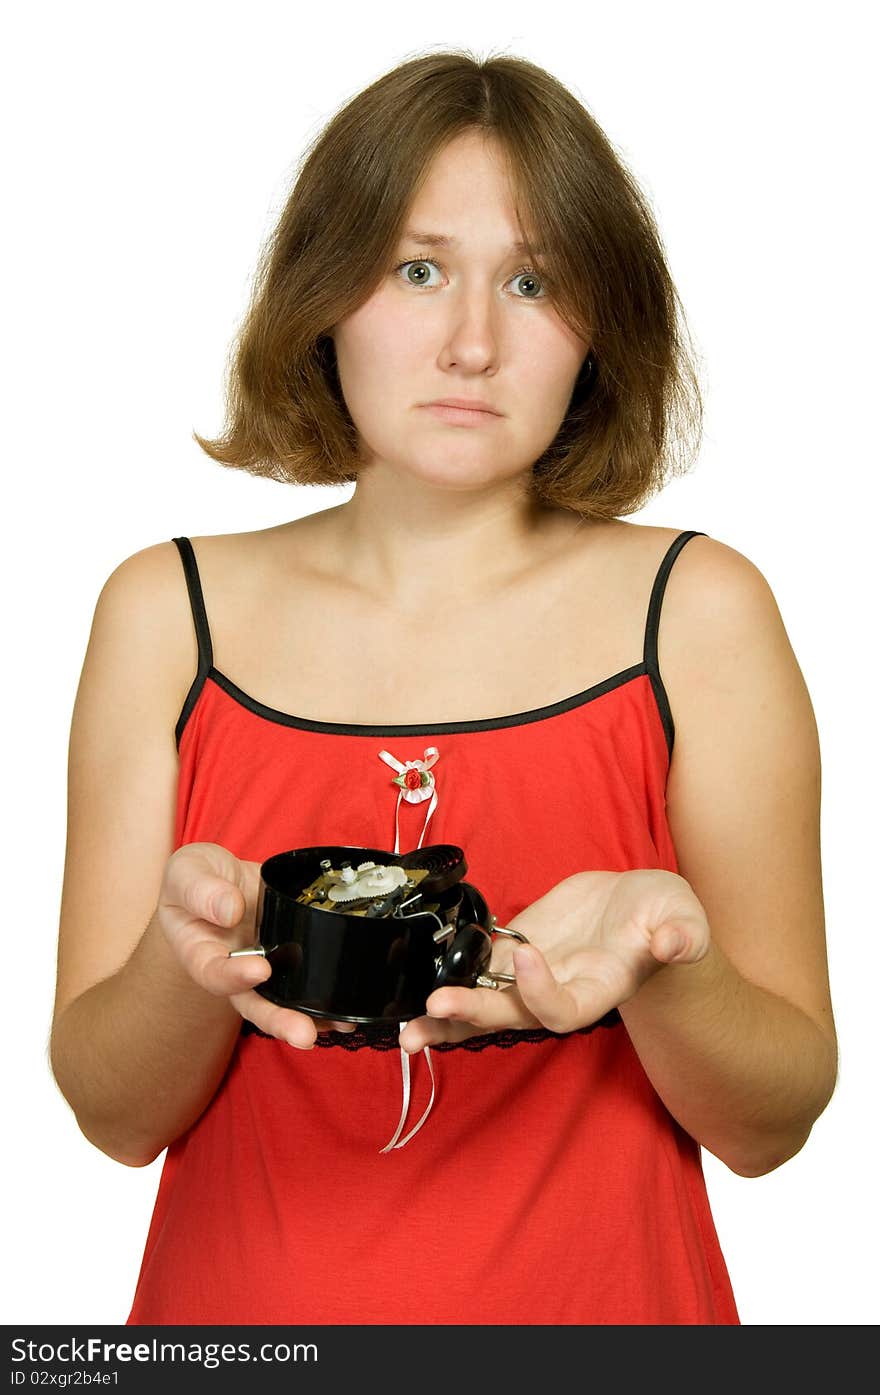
{"x":608,"y":717}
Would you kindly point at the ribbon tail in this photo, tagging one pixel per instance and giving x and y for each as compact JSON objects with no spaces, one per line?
{"x":431,"y":807}
{"x":416,"y":1127}
{"x":404,"y":1070}
{"x":405,"y":1073}
{"x":397,"y":822}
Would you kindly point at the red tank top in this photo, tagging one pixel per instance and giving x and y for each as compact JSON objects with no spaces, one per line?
{"x":549,"y":1184}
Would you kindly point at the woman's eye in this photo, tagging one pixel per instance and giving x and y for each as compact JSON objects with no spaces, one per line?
{"x":417,"y":275}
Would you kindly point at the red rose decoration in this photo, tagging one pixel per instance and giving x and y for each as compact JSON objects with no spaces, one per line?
{"x":413,"y":779}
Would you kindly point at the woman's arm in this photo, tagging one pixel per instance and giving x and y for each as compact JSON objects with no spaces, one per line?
{"x":739,"y":1041}
{"x":140,"y":1055}
{"x":741,"y":1047}
{"x":137,"y":1048}
{"x":743,"y":1070}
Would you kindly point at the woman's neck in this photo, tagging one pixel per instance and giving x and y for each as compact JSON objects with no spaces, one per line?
{"x":409,"y":543}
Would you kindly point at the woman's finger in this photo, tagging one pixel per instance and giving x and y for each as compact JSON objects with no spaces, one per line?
{"x":675,"y":942}
{"x":296,"y":1028}
{"x":488,"y":1008}
{"x":285,"y":1024}
{"x":195,"y":885}
{"x":559,"y":1007}
{"x":206,"y":958}
{"x":430,"y":1031}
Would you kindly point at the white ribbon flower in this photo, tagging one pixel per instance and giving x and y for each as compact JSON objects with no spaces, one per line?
{"x":416,"y":784}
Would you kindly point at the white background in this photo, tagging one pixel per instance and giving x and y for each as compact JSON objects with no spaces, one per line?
{"x":148,"y":151}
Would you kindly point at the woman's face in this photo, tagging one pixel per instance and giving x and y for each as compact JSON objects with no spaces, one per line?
{"x":459,"y":321}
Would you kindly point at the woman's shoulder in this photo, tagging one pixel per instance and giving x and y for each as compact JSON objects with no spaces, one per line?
{"x":232,"y":560}
{"x":237,"y":575}
{"x":222,"y":562}
{"x":635,"y":552}
{"x":714,"y":599}
{"x":710,"y":579}
{"x":654,"y":540}
{"x":145,"y":603}
{"x":719,"y":614}
{"x":705,"y":566}
{"x":155,"y":576}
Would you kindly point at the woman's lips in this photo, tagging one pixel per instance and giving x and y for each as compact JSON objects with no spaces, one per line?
{"x":461,"y":416}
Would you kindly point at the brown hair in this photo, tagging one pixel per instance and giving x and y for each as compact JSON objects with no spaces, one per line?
{"x":635,"y":415}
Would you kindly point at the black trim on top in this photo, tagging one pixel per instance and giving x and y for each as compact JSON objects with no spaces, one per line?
{"x":652,"y":626}
{"x":516,"y":719}
{"x":649,"y":666}
{"x":203,"y":632}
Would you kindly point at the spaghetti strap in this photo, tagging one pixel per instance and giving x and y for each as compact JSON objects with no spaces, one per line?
{"x":202,"y":629}
{"x":652,"y":627}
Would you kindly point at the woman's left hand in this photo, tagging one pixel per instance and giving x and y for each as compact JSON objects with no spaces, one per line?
{"x":594,"y":939}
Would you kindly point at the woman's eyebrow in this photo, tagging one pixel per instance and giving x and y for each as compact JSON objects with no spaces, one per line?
{"x":429,"y":239}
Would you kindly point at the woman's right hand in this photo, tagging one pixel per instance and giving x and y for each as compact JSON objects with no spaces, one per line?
{"x":207,"y":907}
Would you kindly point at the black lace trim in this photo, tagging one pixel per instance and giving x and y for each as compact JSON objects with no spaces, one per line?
{"x":382,"y":1036}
